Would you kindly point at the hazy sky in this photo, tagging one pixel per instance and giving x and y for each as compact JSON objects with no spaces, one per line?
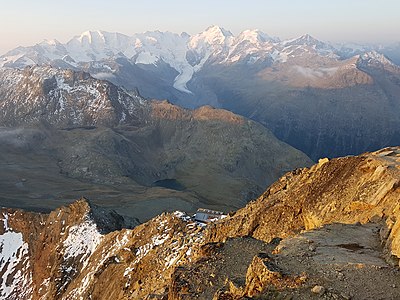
{"x":27,"y":22}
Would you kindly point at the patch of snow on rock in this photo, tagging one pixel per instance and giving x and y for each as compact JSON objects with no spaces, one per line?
{"x":14,"y":259}
{"x":82,"y":240}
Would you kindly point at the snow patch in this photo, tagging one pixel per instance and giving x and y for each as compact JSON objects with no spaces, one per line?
{"x":16,"y":278}
{"x":146,"y":58}
{"x":182,"y":215}
{"x":119,"y":243}
{"x":103,"y":76}
{"x":315,"y":73}
{"x":82,"y":241}
{"x":11,"y":59}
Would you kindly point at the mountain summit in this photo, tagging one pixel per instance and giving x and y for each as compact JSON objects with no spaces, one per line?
{"x":215,"y":34}
{"x":254,"y":36}
{"x":305,"y":39}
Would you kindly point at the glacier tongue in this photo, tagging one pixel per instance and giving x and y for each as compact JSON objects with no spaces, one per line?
{"x":183,"y":78}
{"x":168,"y":47}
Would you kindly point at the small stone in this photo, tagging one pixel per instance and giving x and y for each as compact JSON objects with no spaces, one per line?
{"x":393,"y":286}
{"x":303,"y":278}
{"x":335,"y":296}
{"x":312,"y":248}
{"x":322,"y":161}
{"x":340,"y":276}
{"x":345,"y":296}
{"x":318,"y":289}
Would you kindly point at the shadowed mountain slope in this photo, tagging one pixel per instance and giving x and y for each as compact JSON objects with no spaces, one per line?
{"x":66,"y":134}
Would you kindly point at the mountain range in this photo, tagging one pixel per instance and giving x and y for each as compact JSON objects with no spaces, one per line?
{"x":87,"y":118}
{"x":65,"y":134}
{"x":323,"y":99}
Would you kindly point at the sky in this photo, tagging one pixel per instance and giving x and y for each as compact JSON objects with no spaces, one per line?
{"x":27,"y":22}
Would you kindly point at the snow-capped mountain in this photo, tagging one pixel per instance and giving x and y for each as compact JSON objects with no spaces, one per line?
{"x":307,"y":43}
{"x":183,"y":53}
{"x":251,"y":74}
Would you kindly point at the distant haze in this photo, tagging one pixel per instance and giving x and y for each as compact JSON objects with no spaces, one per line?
{"x":24,"y":23}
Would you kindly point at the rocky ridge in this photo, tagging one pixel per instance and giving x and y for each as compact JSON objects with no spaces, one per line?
{"x":328,"y":231}
{"x":68,"y":250}
{"x":347,"y":190}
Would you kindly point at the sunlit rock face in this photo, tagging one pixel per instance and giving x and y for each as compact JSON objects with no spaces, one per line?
{"x":331,"y":229}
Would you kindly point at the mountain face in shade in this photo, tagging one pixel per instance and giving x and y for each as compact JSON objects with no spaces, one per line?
{"x":320,"y":98}
{"x":330,"y":230}
{"x":66,"y":134}
{"x":64,"y":98}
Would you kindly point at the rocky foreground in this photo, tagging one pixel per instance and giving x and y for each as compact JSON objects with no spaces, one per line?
{"x":330,"y":231}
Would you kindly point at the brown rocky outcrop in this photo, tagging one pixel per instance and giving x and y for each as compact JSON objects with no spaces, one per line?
{"x":347,"y":190}
{"x":79,"y":250}
{"x":261,"y":274}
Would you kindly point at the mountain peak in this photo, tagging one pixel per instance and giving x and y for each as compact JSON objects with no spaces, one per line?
{"x":52,"y":42}
{"x":305,"y":39}
{"x":376,"y":59}
{"x":254,"y":36}
{"x":214,"y":35}
{"x":72,"y":93}
{"x":375,"y":56}
{"x":308,"y":41}
{"x":84,"y":259}
{"x":217,"y":30}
